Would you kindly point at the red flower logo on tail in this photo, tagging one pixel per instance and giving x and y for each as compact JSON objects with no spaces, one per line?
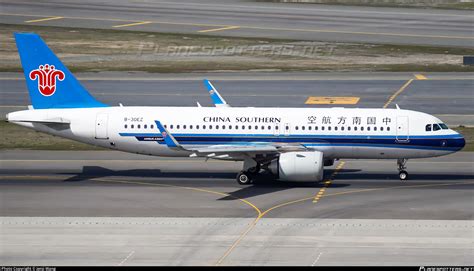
{"x":47,"y":76}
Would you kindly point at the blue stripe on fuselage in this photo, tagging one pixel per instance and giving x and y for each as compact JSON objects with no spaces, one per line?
{"x":451,"y":142}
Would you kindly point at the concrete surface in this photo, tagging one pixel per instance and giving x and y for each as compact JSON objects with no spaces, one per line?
{"x":255,"y":19}
{"x":111,"y":208}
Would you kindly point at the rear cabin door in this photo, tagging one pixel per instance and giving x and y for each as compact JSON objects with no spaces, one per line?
{"x":101,"y":126}
{"x":402,"y":129}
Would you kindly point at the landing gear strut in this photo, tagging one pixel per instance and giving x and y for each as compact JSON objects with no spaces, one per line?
{"x":402,"y":173}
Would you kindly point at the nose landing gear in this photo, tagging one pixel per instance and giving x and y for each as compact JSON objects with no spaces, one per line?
{"x":402,"y":173}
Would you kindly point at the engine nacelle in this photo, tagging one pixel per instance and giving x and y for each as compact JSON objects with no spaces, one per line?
{"x":299,"y":166}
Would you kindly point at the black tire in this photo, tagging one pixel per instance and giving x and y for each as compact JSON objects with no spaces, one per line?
{"x":403,"y":175}
{"x":244,"y":178}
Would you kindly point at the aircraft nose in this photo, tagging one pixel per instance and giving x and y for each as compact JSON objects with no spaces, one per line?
{"x":460,"y":142}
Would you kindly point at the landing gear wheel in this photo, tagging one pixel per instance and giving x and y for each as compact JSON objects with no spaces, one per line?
{"x":403,"y":175}
{"x":244,"y":178}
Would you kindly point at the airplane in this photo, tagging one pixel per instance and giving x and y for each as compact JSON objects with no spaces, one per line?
{"x":291,"y":144}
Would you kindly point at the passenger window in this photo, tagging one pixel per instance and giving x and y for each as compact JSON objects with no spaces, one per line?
{"x":210,"y":127}
{"x":322,"y":128}
{"x":436,"y":127}
{"x":125,"y":126}
{"x":164,"y":126}
{"x":287,"y":127}
{"x":309,"y":128}
{"x":204,"y":127}
{"x":368,"y":128}
{"x":335,"y":128}
{"x":236,"y":127}
{"x":428,"y":127}
{"x":388,"y":128}
{"x":190,"y":127}
{"x":270,"y":127}
{"x":184,"y":126}
{"x":256,"y":127}
{"x":375,"y":128}
{"x":263,"y":127}
{"x":138,"y":126}
{"x":250,"y":127}
{"x":316,"y":128}
{"x":302,"y":128}
{"x":342,"y":128}
{"x":243,"y":127}
{"x":362,"y":128}
{"x":145,"y":126}
{"x":217,"y":127}
{"x":381,"y":128}
{"x":355,"y":128}
{"x":171,"y":126}
{"x":349,"y":128}
{"x":131,"y":126}
{"x":296,"y":128}
{"x":177,"y":126}
{"x":152,"y":126}
{"x":329,"y":128}
{"x":197,"y":127}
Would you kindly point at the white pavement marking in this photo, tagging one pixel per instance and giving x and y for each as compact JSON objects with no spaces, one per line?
{"x":126,"y":258}
{"x":317,"y":259}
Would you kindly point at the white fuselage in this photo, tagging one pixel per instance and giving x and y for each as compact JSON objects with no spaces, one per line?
{"x":337,"y":132}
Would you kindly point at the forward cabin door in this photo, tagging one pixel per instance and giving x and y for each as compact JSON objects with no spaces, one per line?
{"x":101,"y":126}
{"x":402,"y":129}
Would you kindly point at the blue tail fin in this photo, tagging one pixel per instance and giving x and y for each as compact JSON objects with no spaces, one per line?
{"x":49,"y":82}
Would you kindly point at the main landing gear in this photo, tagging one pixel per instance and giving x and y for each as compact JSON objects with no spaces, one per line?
{"x":402,"y":173}
{"x":246,"y":176}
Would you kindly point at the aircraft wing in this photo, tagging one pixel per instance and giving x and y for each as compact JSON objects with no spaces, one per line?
{"x":215,"y":96}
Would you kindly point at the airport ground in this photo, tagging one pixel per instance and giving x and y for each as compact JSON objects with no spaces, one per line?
{"x":122,"y":209}
{"x":240,"y":18}
{"x":112,"y":208}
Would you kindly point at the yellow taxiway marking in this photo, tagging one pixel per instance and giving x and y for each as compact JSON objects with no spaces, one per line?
{"x":267,"y":28}
{"x":332,"y":100}
{"x":44,"y":19}
{"x":219,"y":29}
{"x":389,"y":101}
{"x":132,"y":24}
{"x":328,"y":182}
{"x":420,"y":77}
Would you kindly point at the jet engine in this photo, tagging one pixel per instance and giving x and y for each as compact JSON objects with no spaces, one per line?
{"x":298,"y":166}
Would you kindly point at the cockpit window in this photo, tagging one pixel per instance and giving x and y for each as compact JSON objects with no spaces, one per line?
{"x":428,"y":128}
{"x":444,"y":126}
{"x":436,"y":127}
